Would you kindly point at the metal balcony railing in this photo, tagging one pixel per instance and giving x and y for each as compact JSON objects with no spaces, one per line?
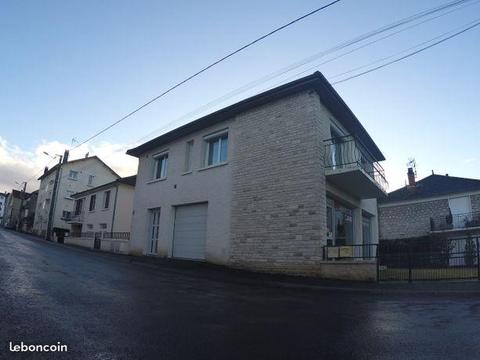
{"x":75,"y":217}
{"x":455,"y":221}
{"x":347,"y":152}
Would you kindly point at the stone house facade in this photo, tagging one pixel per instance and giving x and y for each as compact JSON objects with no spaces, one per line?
{"x":260,"y":185}
{"x":435,"y":205}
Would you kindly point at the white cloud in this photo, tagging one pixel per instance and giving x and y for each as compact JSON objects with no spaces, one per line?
{"x":17,"y":165}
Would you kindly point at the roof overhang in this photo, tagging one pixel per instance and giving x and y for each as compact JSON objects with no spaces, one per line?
{"x":329,"y":97}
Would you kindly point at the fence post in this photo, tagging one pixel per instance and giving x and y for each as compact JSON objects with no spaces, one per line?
{"x":378,"y":263}
{"x":478,"y":258}
{"x":409,"y":262}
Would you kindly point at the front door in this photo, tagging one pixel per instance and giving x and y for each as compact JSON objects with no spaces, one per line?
{"x":154,"y":227}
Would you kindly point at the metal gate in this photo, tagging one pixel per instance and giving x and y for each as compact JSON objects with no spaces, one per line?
{"x":436,"y":259}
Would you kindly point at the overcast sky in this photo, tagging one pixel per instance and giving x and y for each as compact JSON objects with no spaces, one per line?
{"x":69,"y":68}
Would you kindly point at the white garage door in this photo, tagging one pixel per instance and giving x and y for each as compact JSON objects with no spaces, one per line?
{"x":190,"y":232}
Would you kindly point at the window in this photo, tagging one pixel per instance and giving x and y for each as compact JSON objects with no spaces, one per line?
{"x":161,"y":165}
{"x":188,"y":156}
{"x":90,"y":179}
{"x":89,"y":226}
{"x":93,"y":199}
{"x":106,"y":199}
{"x":78,"y":206}
{"x":73,"y":175}
{"x":69,"y":193}
{"x":154,"y":230}
{"x":66,"y":214}
{"x":103,"y":226}
{"x":217,"y":150}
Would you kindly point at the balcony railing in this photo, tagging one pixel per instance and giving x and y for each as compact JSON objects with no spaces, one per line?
{"x":455,"y":221}
{"x":74,"y":217}
{"x":346,"y":152}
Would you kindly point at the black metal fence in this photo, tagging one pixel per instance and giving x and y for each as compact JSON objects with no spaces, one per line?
{"x":415,"y":259}
{"x":350,"y":252}
{"x":429,"y":259}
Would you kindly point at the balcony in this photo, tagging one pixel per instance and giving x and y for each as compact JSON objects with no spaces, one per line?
{"x":75,"y":218}
{"x":350,"y":167}
{"x":456,"y":222}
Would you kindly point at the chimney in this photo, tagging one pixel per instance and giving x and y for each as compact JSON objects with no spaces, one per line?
{"x":411,"y":177}
{"x":65,"y":156}
{"x":45,"y":170}
{"x":86,"y":155}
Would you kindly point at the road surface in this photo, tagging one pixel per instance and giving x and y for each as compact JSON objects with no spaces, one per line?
{"x":103,"y":306}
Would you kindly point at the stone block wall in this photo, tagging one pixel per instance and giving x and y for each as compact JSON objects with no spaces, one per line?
{"x":409,"y":220}
{"x":278,"y":186}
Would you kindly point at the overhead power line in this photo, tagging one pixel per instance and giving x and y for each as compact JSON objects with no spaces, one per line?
{"x":334,"y":49}
{"x":409,"y":55}
{"x":207,"y":68}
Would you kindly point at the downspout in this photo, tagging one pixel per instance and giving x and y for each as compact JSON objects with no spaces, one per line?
{"x":114,"y":208}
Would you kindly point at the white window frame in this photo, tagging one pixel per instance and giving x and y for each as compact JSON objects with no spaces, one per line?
{"x":213,"y":138}
{"x":106,"y":206}
{"x":93,"y":196}
{"x":157,"y":159}
{"x":90,"y":180}
{"x":188,"y":156}
{"x":73,"y":177}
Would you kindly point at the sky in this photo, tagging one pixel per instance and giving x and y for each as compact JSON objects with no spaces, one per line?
{"x":70,"y":68}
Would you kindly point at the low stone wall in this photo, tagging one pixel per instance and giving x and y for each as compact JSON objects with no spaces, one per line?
{"x":79,"y":241}
{"x":115,"y":246}
{"x":349,"y":270}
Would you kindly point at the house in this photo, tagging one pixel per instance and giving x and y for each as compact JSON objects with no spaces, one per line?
{"x":55,"y":202}
{"x":12,"y":208}
{"x":438,"y":205}
{"x":3,"y":203}
{"x":263,"y":184}
{"x":104,"y":212}
{"x":28,"y":212}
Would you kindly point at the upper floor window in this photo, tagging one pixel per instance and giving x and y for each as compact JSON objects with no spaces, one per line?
{"x":161,"y":166}
{"x":216,"y":149}
{"x":78,"y":206}
{"x":93,"y":199}
{"x":90,"y":179}
{"x":188,"y":156}
{"x":73,"y":175}
{"x":69,"y":193}
{"x":106,"y":199}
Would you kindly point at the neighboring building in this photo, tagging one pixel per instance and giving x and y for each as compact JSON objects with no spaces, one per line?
{"x":438,"y":205}
{"x":12,"y":208}
{"x":263,"y":184}
{"x":3,"y":203}
{"x":28,"y":212}
{"x":73,"y":177}
{"x":106,"y":212}
{"x":105,"y":208}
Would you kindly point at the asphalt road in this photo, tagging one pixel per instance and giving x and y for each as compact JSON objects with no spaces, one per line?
{"x":103,"y":306}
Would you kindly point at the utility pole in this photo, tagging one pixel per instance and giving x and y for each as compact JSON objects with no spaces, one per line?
{"x":22,"y":197}
{"x":48,"y":235}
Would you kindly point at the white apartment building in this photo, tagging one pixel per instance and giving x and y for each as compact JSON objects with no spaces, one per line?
{"x":73,"y":177}
{"x":264,"y":184}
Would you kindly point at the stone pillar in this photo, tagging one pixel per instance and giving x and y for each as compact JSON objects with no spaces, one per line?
{"x":357,"y":226}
